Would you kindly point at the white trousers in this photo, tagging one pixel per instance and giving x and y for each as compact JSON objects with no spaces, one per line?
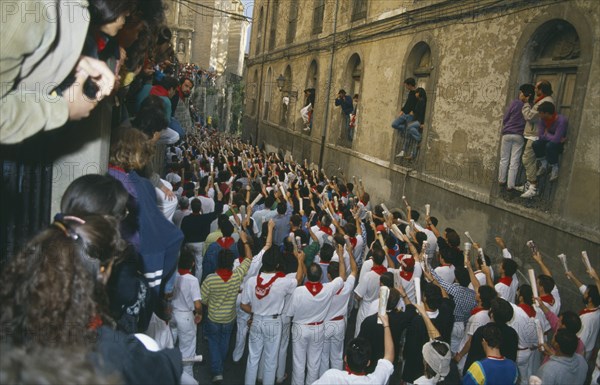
{"x":186,"y":332}
{"x":198,"y":248}
{"x":307,"y":348}
{"x":161,"y":332}
{"x":333,"y":346}
{"x":523,"y":365}
{"x":304,"y":113}
{"x":242,"y":330}
{"x":510,"y":158}
{"x":458,"y":333}
{"x":282,"y":354}
{"x":264,"y":339}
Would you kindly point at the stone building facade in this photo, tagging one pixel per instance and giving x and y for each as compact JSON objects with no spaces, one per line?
{"x":203,"y":35}
{"x":470,"y":56}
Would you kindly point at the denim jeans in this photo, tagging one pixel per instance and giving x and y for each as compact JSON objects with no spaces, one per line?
{"x":510,"y":154}
{"x":346,"y":126}
{"x":549,"y":150}
{"x":218,"y":336}
{"x":401,"y":121}
{"x":412,"y":131}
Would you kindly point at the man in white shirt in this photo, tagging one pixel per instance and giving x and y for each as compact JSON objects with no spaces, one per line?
{"x":445,"y":270}
{"x":508,"y":283}
{"x":263,"y":297}
{"x":590,"y":315}
{"x":367,"y":291}
{"x":335,"y":324}
{"x":308,"y":308}
{"x":358,"y":353}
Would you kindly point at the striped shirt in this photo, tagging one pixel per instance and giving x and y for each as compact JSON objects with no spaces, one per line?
{"x":220,"y":296}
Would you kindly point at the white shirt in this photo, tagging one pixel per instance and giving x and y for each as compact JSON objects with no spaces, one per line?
{"x":306,"y":308}
{"x":425,"y":381}
{"x":271,"y":304}
{"x":336,"y":258}
{"x":368,"y":287}
{"x":555,"y":308}
{"x":178,"y":216}
{"x":508,"y":293}
{"x":524,"y":326}
{"x":432,"y":245}
{"x":254,"y":268}
{"x":407,"y":285}
{"x":339,"y":302}
{"x":478,"y":319}
{"x":321,"y":235}
{"x":380,"y":376}
{"x":208,"y":204}
{"x":368,"y":266}
{"x":185,"y":292}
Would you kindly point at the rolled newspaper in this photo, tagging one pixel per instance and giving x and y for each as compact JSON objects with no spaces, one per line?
{"x":335,"y":202}
{"x":417,"y":282}
{"x":385,"y":209}
{"x":301,"y":203}
{"x":563,"y":260}
{"x":230,"y":181}
{"x":212,"y":167}
{"x":217,"y":189}
{"x":412,"y":224}
{"x":310,"y":218}
{"x":532,"y":246}
{"x":427,"y":209}
{"x":467,"y":247}
{"x":469,"y":236}
{"x":292,"y":239}
{"x":405,"y":201}
{"x":384,"y":293}
{"x":586,"y":261}
{"x":480,"y":251}
{"x":298,"y":243}
{"x":533,"y":283}
{"x":255,"y":201}
{"x":540,"y":333}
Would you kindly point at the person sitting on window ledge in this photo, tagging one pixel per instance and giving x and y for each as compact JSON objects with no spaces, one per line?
{"x":552,"y":132}
{"x":414,"y":128}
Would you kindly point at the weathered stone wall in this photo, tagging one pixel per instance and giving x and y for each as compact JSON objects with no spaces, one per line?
{"x":476,"y":68}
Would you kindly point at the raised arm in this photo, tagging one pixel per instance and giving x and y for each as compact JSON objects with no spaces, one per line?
{"x":574,"y":279}
{"x":388,"y":343}
{"x":269,"y":241}
{"x":431,"y":329}
{"x":342,"y":262}
{"x":537,"y":256}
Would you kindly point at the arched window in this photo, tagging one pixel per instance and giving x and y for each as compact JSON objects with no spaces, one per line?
{"x":419,"y":66}
{"x":259,"y":31}
{"x":292,"y":22}
{"x":554,"y":53}
{"x":311,"y":83}
{"x":273,"y":31}
{"x":352,"y":85}
{"x":268,"y":94}
{"x":286,"y":100}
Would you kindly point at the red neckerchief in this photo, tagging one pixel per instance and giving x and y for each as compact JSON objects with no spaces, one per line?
{"x":339,"y":291}
{"x":550,"y":121}
{"x":539,"y":98}
{"x":326,"y":230}
{"x":476,"y":310}
{"x":353,"y":241}
{"x":406,"y":275}
{"x":528,"y":309}
{"x":225,"y":274}
{"x":548,"y":298}
{"x":159,"y":91}
{"x":379,"y":269}
{"x":347,"y":368}
{"x":261,"y":291}
{"x":184,"y":271}
{"x":314,"y":288}
{"x":587,"y":311}
{"x":505,"y":280}
{"x":363,"y":203}
{"x":225,"y":242}
{"x":112,"y":166}
{"x":240,"y":260}
{"x":95,"y":323}
{"x":100,"y":41}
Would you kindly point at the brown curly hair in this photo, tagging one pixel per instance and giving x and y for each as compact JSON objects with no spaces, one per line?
{"x":54,"y":288}
{"x":130,"y":149}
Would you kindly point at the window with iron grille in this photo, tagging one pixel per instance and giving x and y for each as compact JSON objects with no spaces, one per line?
{"x":273,"y":31}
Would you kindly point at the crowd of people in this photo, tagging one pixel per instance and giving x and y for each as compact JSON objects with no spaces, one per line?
{"x":232,"y":240}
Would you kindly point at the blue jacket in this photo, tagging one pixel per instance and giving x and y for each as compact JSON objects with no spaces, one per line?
{"x":346,"y":103}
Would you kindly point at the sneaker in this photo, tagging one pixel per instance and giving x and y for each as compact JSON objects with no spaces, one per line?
{"x":217,"y":379}
{"x":400,"y":154}
{"x":554,"y":174}
{"x":523,"y":188}
{"x":530,"y":193}
{"x":306,"y":128}
{"x":542,"y":170}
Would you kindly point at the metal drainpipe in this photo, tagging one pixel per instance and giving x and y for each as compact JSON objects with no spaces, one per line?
{"x":324,"y":135}
{"x":262,"y":71}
